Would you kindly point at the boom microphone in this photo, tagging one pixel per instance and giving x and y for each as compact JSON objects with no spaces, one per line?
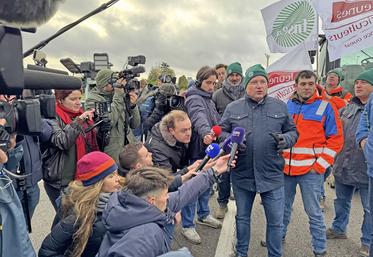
{"x":26,"y":12}
{"x":211,"y":152}
{"x":237,"y":137}
{"x":47,"y":80}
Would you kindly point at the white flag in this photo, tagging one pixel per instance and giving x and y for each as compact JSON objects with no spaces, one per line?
{"x":348,"y":25}
{"x":290,"y":23}
{"x":282,"y":73}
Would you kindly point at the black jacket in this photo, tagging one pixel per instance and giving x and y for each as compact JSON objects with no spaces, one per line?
{"x":168,"y":153}
{"x":59,"y":241}
{"x":350,"y":167}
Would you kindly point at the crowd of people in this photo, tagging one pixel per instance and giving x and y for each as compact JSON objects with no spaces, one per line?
{"x":121,"y":187}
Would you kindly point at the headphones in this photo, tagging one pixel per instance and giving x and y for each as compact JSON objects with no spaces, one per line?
{"x":197,"y":83}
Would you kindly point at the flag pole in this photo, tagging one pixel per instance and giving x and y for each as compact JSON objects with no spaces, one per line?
{"x":317,"y":49}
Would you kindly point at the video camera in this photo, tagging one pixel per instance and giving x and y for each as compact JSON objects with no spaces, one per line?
{"x":129,"y":74}
{"x":24,"y":115}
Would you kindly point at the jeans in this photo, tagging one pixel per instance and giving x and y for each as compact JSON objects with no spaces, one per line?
{"x":342,"y":206}
{"x":326,"y":175}
{"x":224,"y":189}
{"x":273,"y":203}
{"x":203,"y":210}
{"x":310,"y":187}
{"x":371,"y":216}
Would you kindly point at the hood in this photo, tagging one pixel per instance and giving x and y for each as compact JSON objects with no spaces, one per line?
{"x":100,"y":91}
{"x":196,"y":91}
{"x":125,"y":211}
{"x":161,"y":133}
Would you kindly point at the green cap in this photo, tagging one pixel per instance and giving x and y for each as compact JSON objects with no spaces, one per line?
{"x":103,"y":77}
{"x":338,"y":72}
{"x":366,"y":75}
{"x":253,"y":71}
{"x":234,"y":68}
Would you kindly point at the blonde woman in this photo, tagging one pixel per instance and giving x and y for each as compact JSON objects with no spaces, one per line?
{"x":81,"y":231}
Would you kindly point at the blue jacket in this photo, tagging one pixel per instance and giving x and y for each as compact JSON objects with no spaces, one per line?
{"x":259,"y":165}
{"x":203,"y":115}
{"x":365,"y":130}
{"x":135,"y":228}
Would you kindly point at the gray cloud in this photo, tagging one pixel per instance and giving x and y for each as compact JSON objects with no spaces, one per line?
{"x":185,"y":34}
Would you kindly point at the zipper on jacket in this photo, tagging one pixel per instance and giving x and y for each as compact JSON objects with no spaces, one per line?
{"x":296,"y":123}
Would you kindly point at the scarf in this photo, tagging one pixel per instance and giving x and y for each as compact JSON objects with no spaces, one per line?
{"x":235,"y":92}
{"x":83,"y":140}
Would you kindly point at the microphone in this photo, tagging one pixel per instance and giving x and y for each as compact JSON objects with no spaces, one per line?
{"x":216,"y":131}
{"x":237,"y":137}
{"x":225,"y":147}
{"x":211,"y":152}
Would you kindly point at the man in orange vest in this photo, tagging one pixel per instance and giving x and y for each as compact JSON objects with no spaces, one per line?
{"x":333,"y":91}
{"x":320,"y":139}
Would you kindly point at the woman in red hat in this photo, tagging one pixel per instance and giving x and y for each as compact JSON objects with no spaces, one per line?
{"x":80,"y":231}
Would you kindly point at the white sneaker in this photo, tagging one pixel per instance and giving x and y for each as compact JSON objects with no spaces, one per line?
{"x":191,"y":235}
{"x":210,"y":222}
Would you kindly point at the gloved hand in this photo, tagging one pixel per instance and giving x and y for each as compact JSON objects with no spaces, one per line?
{"x":280,"y":140}
{"x":4,"y":139}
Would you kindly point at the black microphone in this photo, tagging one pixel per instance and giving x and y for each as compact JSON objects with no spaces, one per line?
{"x":211,"y":152}
{"x":237,"y":137}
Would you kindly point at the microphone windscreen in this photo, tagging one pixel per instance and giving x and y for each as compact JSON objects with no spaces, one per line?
{"x":217,"y":130}
{"x":227,"y":145}
{"x":27,"y":13}
{"x":212,"y":150}
{"x":238,"y":135}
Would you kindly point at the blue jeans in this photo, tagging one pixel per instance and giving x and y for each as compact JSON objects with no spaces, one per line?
{"x":273,"y":203}
{"x":203,"y":210}
{"x":224,"y":188}
{"x":342,"y":206}
{"x":371,"y":216}
{"x":310,"y":187}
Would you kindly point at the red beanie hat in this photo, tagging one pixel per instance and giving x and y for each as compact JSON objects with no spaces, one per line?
{"x":94,"y":166}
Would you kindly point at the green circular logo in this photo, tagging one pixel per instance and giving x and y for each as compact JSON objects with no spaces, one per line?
{"x":294,"y":24}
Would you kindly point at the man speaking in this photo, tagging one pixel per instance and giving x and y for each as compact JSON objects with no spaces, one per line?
{"x":269,"y":128}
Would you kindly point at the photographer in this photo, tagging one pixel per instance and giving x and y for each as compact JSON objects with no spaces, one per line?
{"x":68,"y":142}
{"x":166,"y":100}
{"x":119,"y":99}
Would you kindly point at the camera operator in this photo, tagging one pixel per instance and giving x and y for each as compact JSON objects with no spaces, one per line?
{"x":166,"y":100}
{"x":106,"y":92}
{"x":68,"y":142}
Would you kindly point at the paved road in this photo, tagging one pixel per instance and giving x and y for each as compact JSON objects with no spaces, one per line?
{"x":297,"y":241}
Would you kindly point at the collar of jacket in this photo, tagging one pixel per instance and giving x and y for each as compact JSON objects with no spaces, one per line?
{"x":357,"y":101}
{"x":313,"y":98}
{"x":167,"y":137}
{"x":254,"y":102}
{"x":332,"y":91}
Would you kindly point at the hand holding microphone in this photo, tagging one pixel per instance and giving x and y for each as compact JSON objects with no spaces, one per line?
{"x":237,"y":137}
{"x":215,"y":132}
{"x":211,"y":152}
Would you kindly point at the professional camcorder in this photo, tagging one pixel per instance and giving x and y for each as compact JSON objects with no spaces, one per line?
{"x":24,"y":114}
{"x":130,"y":74}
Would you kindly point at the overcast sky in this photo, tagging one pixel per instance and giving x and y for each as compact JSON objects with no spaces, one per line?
{"x":187,"y":34}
